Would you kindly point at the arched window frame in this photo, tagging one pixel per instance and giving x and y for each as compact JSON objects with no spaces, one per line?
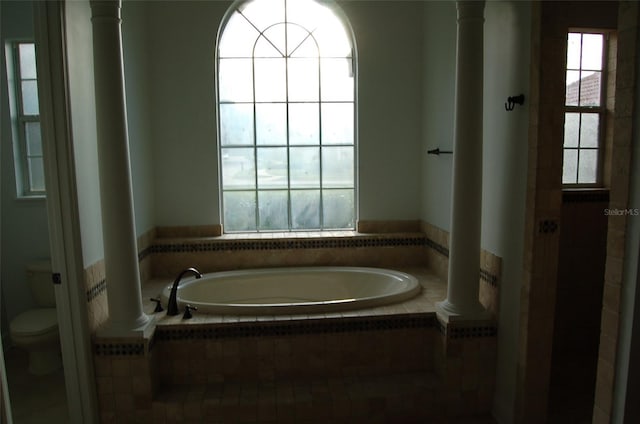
{"x":330,"y":212}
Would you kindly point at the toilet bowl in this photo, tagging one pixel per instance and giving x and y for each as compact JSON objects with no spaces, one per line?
{"x":36,"y":330}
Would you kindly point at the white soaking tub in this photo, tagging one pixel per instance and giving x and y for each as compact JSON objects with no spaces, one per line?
{"x":294,"y":290}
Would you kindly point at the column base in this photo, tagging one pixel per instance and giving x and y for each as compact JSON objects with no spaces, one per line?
{"x":449,"y":312}
{"x":142,"y":328}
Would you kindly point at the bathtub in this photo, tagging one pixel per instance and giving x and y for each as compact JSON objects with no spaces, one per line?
{"x":295,"y":290}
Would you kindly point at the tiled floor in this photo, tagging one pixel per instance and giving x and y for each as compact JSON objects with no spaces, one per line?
{"x":391,"y":399}
{"x":35,"y":399}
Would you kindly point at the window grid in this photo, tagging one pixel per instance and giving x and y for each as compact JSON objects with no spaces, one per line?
{"x":29,"y":159}
{"x":583,"y":99}
{"x":257,"y":146}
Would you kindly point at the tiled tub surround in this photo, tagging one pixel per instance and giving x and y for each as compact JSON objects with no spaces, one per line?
{"x":165,"y":251}
{"x":169,"y":256}
{"x":383,"y":364}
{"x":394,"y":363}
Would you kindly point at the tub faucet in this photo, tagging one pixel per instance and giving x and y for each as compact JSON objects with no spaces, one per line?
{"x":172,"y":307}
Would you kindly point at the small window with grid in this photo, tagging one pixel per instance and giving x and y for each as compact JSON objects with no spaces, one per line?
{"x":584,"y":109}
{"x":25,"y":114}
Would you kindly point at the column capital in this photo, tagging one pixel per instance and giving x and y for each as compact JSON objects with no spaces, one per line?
{"x":470,"y":10}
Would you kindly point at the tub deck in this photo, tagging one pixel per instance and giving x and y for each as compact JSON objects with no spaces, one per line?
{"x":433,"y":290}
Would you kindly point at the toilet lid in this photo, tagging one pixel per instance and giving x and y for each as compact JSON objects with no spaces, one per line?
{"x":35,"y":322}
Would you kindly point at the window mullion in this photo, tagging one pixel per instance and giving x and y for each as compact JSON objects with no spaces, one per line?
{"x":255,"y":146}
{"x":286,"y":92}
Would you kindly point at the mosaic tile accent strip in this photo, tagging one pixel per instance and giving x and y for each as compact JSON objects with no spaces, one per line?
{"x":321,"y":326}
{"x":328,"y":243}
{"x":437,"y":247}
{"x":454,"y":332}
{"x":96,"y":290}
{"x":488,"y":277}
{"x":119,"y":349}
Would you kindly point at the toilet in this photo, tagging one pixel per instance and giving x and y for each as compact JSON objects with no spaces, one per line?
{"x":36,"y":330}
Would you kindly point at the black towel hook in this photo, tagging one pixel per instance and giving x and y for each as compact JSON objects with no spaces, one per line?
{"x":512,"y":101}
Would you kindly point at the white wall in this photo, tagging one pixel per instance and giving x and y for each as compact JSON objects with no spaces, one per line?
{"x":136,"y":70}
{"x":183,"y":125}
{"x":83,"y":127}
{"x":24,"y":230}
{"x":439,"y":64}
{"x":506,"y":73}
{"x":181,"y":71}
{"x":389,"y":42}
{"x":505,"y":147}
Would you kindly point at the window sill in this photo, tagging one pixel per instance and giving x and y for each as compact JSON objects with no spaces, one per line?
{"x":592,"y":194}
{"x":32,"y":198}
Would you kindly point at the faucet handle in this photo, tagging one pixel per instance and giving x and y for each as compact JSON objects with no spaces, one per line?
{"x":187,"y":311}
{"x":159,"y":307}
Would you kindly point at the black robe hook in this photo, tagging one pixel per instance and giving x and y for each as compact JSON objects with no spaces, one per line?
{"x":512,"y":101}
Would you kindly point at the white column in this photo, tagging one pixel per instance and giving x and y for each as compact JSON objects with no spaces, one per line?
{"x":126,"y":317}
{"x":464,"y":245}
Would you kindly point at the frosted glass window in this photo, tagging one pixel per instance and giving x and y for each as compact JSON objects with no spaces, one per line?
{"x":570,"y":166}
{"x":337,"y":123}
{"x":272,"y":43}
{"x":240,"y":210}
{"x":305,"y":209}
{"x":27,"y":60}
{"x":303,"y":80}
{"x":589,"y":124}
{"x":34,"y":139}
{"x":36,"y":173}
{"x":236,"y":124}
{"x":305,"y":167}
{"x":235,"y":77}
{"x":271,"y":123}
{"x":238,"y":168}
{"x":273,"y":169}
{"x":271,"y":83}
{"x":304,"y":123}
{"x":286,"y":117}
{"x":337,"y":79}
{"x":588,"y":166}
{"x":30,"y":98}
{"x":571,"y":129}
{"x":337,"y":167}
{"x":334,"y":207}
{"x":27,"y":138}
{"x":584,"y":108}
{"x":273,"y":210}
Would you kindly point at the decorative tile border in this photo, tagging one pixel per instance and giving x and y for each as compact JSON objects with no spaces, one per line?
{"x":457,"y":331}
{"x":478,"y":331}
{"x":119,"y":349}
{"x":318,"y":326}
{"x":96,"y":290}
{"x":324,"y":243}
{"x":293,"y":328}
{"x":489,"y":278}
{"x":437,"y":247}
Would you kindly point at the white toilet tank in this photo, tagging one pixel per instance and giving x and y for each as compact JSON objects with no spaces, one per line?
{"x":39,"y":279}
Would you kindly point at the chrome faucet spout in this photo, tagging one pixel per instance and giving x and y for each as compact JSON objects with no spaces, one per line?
{"x":172,"y":307}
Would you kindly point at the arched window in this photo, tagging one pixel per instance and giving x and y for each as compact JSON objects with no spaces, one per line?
{"x":286,"y":117}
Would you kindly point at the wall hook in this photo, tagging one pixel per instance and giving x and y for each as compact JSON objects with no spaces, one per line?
{"x":512,"y":101}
